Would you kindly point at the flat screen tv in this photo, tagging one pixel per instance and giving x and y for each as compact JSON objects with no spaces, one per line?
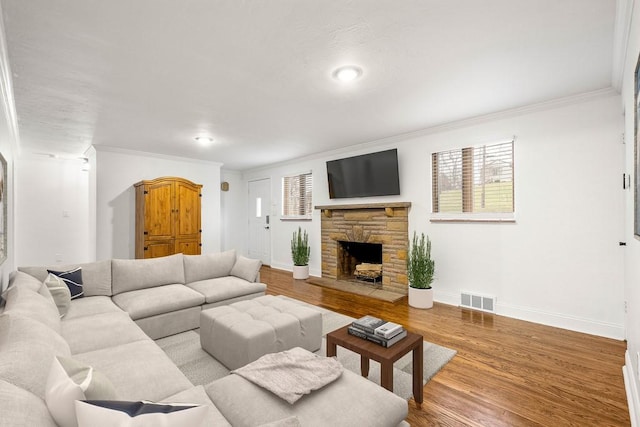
{"x":374,"y":174}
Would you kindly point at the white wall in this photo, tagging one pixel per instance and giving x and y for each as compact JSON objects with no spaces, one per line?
{"x":53,"y":211}
{"x":632,"y":250}
{"x":117,"y":172}
{"x":234,"y":212}
{"x":553,"y":264}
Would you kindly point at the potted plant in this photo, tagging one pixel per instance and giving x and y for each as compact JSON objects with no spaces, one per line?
{"x":420,"y":271}
{"x":300,"y":251}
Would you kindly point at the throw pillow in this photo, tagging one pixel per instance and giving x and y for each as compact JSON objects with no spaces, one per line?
{"x":73,"y":280}
{"x":94,"y":413}
{"x":246,"y":268}
{"x":59,"y":292}
{"x":70,"y":380}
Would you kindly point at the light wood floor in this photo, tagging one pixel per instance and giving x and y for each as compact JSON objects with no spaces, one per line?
{"x":507,"y":372}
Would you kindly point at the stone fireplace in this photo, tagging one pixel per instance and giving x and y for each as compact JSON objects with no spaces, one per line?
{"x":374,"y":235}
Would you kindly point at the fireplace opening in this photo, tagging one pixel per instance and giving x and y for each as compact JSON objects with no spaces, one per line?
{"x":360,"y":261}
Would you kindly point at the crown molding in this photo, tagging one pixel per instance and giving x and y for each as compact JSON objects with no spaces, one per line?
{"x":622,"y":28}
{"x":118,"y":150}
{"x":457,"y":124}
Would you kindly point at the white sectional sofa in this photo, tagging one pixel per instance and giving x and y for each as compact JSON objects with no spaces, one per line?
{"x":165,"y":295}
{"x":126,"y":303}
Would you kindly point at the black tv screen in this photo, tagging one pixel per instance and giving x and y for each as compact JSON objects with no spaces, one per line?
{"x":374,"y":174}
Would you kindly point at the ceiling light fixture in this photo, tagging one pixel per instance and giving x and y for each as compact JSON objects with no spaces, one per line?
{"x":347,"y":73}
{"x":204,"y":139}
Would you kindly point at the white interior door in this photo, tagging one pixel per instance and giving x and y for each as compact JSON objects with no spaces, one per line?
{"x":259,"y":227}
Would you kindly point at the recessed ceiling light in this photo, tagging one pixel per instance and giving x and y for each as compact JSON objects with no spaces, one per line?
{"x":204,"y":139}
{"x":347,"y":73}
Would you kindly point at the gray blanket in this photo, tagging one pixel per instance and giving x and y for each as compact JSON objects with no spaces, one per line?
{"x":291,"y":374}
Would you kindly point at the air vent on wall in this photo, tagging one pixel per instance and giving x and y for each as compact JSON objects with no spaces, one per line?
{"x":478,"y":302}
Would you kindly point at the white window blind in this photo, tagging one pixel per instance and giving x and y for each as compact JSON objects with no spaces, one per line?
{"x":474,"y":179}
{"x":297,"y":192}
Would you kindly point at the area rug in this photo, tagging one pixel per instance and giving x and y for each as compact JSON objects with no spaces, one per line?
{"x":363,"y":289}
{"x":201,"y":368}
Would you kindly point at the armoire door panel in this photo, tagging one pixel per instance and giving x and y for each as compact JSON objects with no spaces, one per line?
{"x":159,"y":249}
{"x":188,"y":246}
{"x":159,"y":222}
{"x":188,"y":210}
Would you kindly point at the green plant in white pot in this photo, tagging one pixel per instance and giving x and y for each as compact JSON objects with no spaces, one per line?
{"x":300,"y":252}
{"x":420,"y":272}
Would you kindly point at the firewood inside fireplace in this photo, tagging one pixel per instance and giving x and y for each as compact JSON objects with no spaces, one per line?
{"x":368,"y":271}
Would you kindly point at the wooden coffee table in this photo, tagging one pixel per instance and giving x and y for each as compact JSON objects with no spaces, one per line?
{"x":385,"y":356}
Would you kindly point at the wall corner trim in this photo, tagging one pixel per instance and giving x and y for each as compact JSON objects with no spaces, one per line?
{"x":631,"y":389}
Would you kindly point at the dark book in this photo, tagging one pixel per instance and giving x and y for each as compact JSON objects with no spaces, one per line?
{"x":368,"y":323}
{"x":384,"y":342}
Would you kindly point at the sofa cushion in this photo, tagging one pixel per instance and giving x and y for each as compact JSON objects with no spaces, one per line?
{"x":198,"y":395}
{"x":73,"y":279}
{"x":23,"y":408}
{"x":161,"y":299}
{"x":104,"y":413}
{"x":246,"y":268}
{"x":90,"y":306}
{"x":70,"y":380}
{"x":138,"y":370}
{"x":60,"y":293}
{"x":24,"y":280}
{"x":24,"y":302}
{"x":337,"y":404}
{"x":96,"y":276}
{"x":134,"y":274}
{"x":27,"y":348}
{"x":224,"y":288}
{"x":102,"y":330}
{"x":208,"y":266}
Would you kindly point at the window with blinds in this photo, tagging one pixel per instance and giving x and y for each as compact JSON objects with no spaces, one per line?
{"x":297,"y":191}
{"x":474,"y":179}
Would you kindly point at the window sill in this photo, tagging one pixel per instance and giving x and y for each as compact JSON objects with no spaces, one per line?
{"x":474,"y":218}
{"x":295,"y":218}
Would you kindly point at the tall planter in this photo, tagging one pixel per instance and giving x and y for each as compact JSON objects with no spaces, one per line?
{"x":300,"y":272}
{"x":421,"y":297}
{"x":300,"y":251}
{"x":420,"y":272}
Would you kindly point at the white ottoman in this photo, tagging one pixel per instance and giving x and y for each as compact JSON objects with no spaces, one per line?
{"x":242,"y":332}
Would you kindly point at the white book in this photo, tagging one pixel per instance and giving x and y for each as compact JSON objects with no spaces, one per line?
{"x":388,"y":330}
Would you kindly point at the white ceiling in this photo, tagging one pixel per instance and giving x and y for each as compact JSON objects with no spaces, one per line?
{"x":150,"y":75}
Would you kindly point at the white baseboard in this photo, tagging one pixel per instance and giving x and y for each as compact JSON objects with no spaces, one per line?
{"x":558,"y":320}
{"x":631,"y":390}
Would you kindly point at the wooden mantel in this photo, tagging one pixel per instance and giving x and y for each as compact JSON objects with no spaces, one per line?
{"x":388,"y":207}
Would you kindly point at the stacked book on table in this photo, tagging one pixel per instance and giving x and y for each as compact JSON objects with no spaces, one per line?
{"x":377,"y":330}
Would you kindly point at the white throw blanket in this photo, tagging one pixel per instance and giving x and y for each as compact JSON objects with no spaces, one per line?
{"x":291,"y":374}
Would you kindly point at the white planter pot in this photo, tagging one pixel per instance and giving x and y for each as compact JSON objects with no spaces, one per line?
{"x":300,"y":272}
{"x":420,"y":298}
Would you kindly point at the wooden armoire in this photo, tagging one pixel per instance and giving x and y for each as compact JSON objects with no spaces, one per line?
{"x":167,"y":217}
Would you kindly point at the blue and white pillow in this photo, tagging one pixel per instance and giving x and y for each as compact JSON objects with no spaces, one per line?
{"x":70,"y":380}
{"x":108,"y":413}
{"x":73,"y":280}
